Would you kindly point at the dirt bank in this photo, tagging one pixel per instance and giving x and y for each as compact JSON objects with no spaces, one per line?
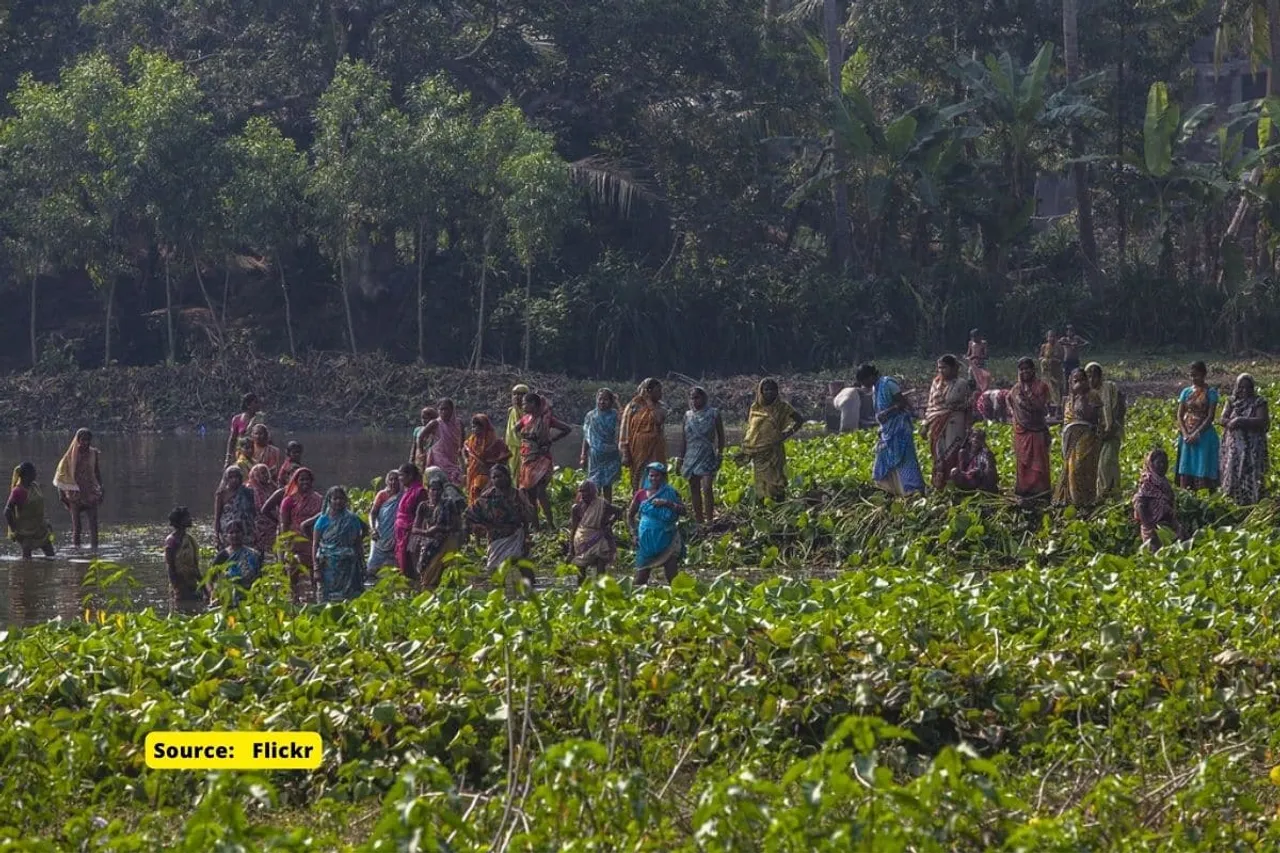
{"x":328,"y":391}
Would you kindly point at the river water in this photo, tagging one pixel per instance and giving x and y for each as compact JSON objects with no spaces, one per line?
{"x":145,"y":477}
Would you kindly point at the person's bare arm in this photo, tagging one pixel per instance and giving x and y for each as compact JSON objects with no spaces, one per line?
{"x":720,"y":439}
{"x":217,"y":519}
{"x":97,"y":475}
{"x":1182,"y":410}
{"x":797,"y":423}
{"x":231,"y":446}
{"x":315,"y":546}
{"x":378,"y":500}
{"x":171,"y":560}
{"x":11,"y":514}
{"x":564,"y":428}
{"x":273,"y":503}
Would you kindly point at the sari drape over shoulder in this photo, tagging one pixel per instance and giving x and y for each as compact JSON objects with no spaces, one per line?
{"x":658,"y":538}
{"x":700,"y":457}
{"x":446,"y":452}
{"x":536,"y":461}
{"x":642,"y":437}
{"x":604,"y":459}
{"x":382,"y":551}
{"x":1154,"y":505}
{"x":1110,"y":438}
{"x":337,"y":547}
{"x":1198,"y":463}
{"x":593,"y":542}
{"x":1245,"y":461}
{"x":1080,"y":448}
{"x":484,"y":450}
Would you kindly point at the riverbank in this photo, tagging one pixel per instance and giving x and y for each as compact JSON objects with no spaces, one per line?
{"x":326,"y":391}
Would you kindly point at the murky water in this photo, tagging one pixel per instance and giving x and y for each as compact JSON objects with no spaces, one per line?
{"x":145,"y":477}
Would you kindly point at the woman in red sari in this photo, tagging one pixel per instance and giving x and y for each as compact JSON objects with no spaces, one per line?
{"x":483,"y":449}
{"x":1029,"y":406}
{"x":538,"y":431}
{"x":301,"y":503}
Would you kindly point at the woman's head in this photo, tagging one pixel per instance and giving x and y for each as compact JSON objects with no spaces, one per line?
{"x":25,"y":474}
{"x":1026,"y":370}
{"x":587,"y":492}
{"x":180,"y":518}
{"x":500,"y":474}
{"x":974,"y":335}
{"x":446,"y":409}
{"x":436,"y":481}
{"x":605,"y":399}
{"x":233,"y":477}
{"x":1051,"y":336}
{"x":1079,"y":382}
{"x":768,"y":391}
{"x":657,"y":474}
{"x":1093,"y":370}
{"x":84,"y":437}
{"x":410,"y":474}
{"x":1245,"y":387}
{"x":1158,"y":462}
{"x":427,"y":415}
{"x":294,"y":451}
{"x":336,"y":498}
{"x":249,"y":403}
{"x":867,"y":375}
{"x":977,"y":440}
{"x":1199,"y":371}
{"x":260,"y":475}
{"x":261,"y":435}
{"x":698,"y":397}
{"x":245,"y":446}
{"x":480,"y":423}
{"x":532,"y":404}
{"x":651,"y":390}
{"x":303,"y":480}
{"x":235,"y":534}
{"x":948,"y":367}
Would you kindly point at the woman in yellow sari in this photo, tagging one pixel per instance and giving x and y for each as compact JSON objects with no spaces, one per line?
{"x":946,"y":418}
{"x":1081,"y":448}
{"x":640,"y":436}
{"x":770,"y":422}
{"x":78,"y":480}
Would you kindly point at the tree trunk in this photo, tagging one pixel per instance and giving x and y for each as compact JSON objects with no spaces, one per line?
{"x":346,"y":296}
{"x":843,"y":236}
{"x":422,"y":322}
{"x":288,"y":305}
{"x":172,"y":358}
{"x":1122,"y":207}
{"x":106,"y":345}
{"x":208,"y":300}
{"x":1079,"y":171}
{"x":226,"y":292}
{"x":478,"y":353}
{"x":35,"y":350}
{"x":528,"y":311}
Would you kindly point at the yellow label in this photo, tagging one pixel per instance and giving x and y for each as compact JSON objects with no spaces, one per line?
{"x":233,"y":750}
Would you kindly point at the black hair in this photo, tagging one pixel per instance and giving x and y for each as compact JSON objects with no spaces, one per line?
{"x":293,"y":444}
{"x":178,"y":514}
{"x":950,"y":361}
{"x":866,"y":372}
{"x":533,"y":398}
{"x":248,"y":400}
{"x":410,"y":473}
{"x":1200,"y":366}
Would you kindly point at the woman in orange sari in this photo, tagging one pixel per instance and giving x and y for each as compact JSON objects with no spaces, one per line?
{"x":484,"y":448}
{"x":640,"y":437}
{"x":301,"y":503}
{"x":538,"y":429}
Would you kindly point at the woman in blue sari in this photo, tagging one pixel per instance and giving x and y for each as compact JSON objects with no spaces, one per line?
{"x":337,"y":546}
{"x":382,"y":524}
{"x":657,"y":535}
{"x":600,"y":454}
{"x":897,"y":470}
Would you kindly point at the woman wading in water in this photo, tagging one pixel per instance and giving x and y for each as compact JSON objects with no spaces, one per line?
{"x":24,"y":513}
{"x":78,"y":480}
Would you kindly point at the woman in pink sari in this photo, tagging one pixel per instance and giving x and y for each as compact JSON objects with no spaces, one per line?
{"x":412,"y":494}
{"x":446,"y":452}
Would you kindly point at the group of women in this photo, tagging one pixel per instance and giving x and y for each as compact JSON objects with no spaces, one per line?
{"x":1092,"y":430}
{"x":78,"y":483}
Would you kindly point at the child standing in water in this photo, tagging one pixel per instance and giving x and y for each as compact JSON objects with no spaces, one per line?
{"x":182,"y":559}
{"x":24,"y":513}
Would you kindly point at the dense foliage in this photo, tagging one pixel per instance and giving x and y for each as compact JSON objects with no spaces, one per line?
{"x":705,"y":184}
{"x":967,"y":676}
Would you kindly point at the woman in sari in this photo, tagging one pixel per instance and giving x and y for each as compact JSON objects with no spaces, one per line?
{"x":423,"y":437}
{"x":24,"y":513}
{"x":265,"y":521}
{"x":233,"y":502}
{"x":78,"y":479}
{"x":976,"y":355}
{"x":264,"y":452}
{"x":975,"y":469}
{"x":483,"y":449}
{"x":240,"y":425}
{"x":1029,"y":407}
{"x":946,"y":418}
{"x":1080,"y":446}
{"x":512,"y":435}
{"x":292,"y":462}
{"x":538,"y":430}
{"x":413,"y":496}
{"x":301,"y":503}
{"x":446,"y":452}
{"x":237,"y":562}
{"x":1154,"y":505}
{"x":437,"y":527}
{"x":770,"y":422}
{"x":1110,"y":430}
{"x":1197,"y":438}
{"x":382,"y":524}
{"x":654,"y":518}
{"x":1245,"y":422}
{"x":703,"y":449}
{"x":591,"y":541}
{"x":504,"y":513}
{"x":182,"y":562}
{"x":244,"y":457}
{"x":897,"y":469}
{"x":640,"y":437}
{"x":600,"y":454}
{"x":1051,"y":366}
{"x":337,"y":548}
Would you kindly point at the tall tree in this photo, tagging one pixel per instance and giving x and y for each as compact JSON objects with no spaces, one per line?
{"x":1080,"y":170}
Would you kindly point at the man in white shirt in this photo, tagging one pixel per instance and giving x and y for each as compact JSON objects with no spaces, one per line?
{"x":857,"y":409}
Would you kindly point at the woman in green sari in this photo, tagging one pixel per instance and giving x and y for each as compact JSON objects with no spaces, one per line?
{"x":770,"y":422}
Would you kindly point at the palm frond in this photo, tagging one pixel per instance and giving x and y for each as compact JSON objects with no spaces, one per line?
{"x":802,"y":12}
{"x":611,"y":184}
